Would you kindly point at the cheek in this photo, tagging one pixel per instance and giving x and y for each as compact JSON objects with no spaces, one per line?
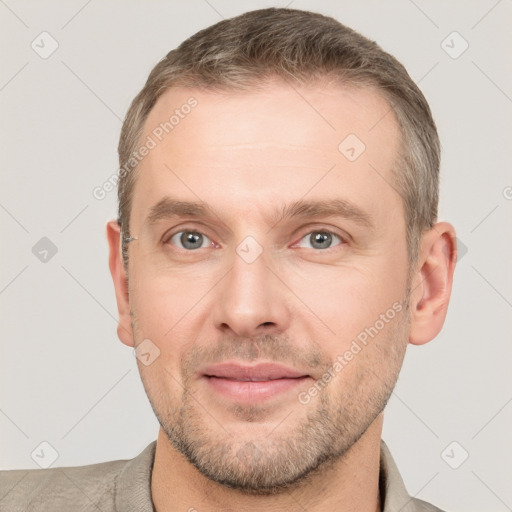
{"x":163,"y":385}
{"x":170,"y":307}
{"x":370,"y":360}
{"x":341,"y":302}
{"x":164,"y":301}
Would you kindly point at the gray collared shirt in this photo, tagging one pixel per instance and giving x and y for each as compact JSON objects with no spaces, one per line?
{"x":125,"y":486}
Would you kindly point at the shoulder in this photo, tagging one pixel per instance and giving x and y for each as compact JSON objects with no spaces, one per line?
{"x":66,"y":488}
{"x":422,"y":506}
{"x":392,"y":487}
{"x":34,"y":489}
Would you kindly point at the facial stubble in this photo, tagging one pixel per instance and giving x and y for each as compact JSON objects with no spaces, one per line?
{"x":307,"y":439}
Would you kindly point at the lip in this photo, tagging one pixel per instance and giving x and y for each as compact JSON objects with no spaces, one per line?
{"x":258,"y":372}
{"x":250,"y":384}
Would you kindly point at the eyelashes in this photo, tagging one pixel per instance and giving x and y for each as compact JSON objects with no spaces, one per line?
{"x":191,"y":240}
{"x":325,"y":236}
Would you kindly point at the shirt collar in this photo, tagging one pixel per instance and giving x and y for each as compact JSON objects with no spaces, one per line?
{"x":133,"y":485}
{"x":393,"y":494}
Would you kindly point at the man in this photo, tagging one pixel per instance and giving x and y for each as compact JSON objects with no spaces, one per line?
{"x":277,"y":248}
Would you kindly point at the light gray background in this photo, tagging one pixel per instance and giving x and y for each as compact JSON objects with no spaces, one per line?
{"x":65,"y":377}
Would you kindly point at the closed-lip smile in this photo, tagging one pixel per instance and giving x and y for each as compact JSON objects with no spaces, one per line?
{"x":251,"y":383}
{"x":260,"y":371}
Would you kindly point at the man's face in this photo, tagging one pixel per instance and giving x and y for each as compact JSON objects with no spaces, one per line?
{"x":228,"y":295}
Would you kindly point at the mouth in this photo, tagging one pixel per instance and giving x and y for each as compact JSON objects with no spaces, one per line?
{"x":250,"y":384}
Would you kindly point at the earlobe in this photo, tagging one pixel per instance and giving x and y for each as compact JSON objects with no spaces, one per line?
{"x":432,"y":283}
{"x":124,"y":327}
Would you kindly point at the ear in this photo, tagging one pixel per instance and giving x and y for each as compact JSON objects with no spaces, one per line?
{"x":124,"y":327}
{"x":432,"y":283}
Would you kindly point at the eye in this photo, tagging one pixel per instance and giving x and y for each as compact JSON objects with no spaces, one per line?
{"x":319,"y":240}
{"x":190,"y":240}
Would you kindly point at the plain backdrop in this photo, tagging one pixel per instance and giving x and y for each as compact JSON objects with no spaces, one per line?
{"x":68,"y":381}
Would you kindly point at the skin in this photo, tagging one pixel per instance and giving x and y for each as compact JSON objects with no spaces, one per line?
{"x":244,"y":153}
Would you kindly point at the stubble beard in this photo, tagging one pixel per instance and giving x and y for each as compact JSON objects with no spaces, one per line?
{"x":288,"y":455}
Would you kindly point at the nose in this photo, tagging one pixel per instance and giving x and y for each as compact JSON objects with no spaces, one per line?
{"x":252,"y":299}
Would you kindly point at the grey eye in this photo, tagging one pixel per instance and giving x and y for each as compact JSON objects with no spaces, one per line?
{"x":320,"y":239}
{"x":190,"y":240}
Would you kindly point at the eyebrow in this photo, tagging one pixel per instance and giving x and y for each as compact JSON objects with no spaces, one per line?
{"x":169,"y":207}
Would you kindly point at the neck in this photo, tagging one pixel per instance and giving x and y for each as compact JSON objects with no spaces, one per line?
{"x":349,"y":483}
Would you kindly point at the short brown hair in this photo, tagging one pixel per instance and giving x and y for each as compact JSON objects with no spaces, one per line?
{"x":302,"y":47}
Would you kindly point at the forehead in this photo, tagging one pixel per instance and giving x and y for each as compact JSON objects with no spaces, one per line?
{"x":319,"y":115}
{"x":264,"y":145}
